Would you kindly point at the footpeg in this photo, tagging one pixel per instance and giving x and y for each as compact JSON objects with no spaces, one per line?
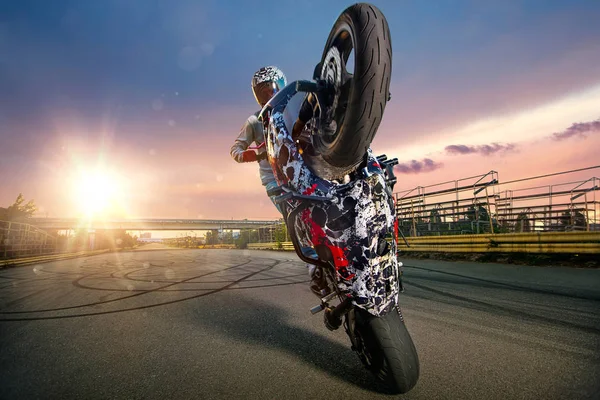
{"x":317,"y":309}
{"x":323,"y":305}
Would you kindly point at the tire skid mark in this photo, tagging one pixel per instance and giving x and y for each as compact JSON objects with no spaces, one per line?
{"x":223,"y":281}
{"x":506,"y":285}
{"x":113,"y":274}
{"x":14,"y":278}
{"x":498,"y":309}
{"x":77,"y":284}
{"x":274,"y":285}
{"x":28,"y":296}
{"x":267,"y":268}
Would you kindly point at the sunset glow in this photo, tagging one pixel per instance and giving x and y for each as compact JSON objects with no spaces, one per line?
{"x":131,"y":110}
{"x":97,"y":192}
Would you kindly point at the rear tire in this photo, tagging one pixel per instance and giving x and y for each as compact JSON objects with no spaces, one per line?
{"x":361,"y":29}
{"x":392,"y":356}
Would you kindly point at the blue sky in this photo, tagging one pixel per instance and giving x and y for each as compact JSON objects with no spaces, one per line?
{"x":99,"y":52}
{"x":161,"y":85}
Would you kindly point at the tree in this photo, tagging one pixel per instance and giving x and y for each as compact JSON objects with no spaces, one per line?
{"x":242,"y":241}
{"x":18,"y":209}
{"x":212,"y":237}
{"x":102,"y":239}
{"x":227,"y":237}
{"x":280,"y":235}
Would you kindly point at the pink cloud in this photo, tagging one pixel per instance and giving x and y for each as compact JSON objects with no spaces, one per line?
{"x":485,"y":149}
{"x":418,"y":167}
{"x":579,"y":129}
{"x":534,"y":159}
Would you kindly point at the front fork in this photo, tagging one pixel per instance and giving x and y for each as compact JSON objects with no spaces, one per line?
{"x":333,"y":319}
{"x":333,"y":314}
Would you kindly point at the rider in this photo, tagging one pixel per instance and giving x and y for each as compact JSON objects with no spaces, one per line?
{"x":266,"y":82}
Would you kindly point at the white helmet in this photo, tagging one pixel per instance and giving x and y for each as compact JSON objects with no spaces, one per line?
{"x":266,"y":82}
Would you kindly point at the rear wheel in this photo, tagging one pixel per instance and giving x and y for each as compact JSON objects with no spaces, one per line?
{"x":387,"y":350}
{"x":356,"y":109}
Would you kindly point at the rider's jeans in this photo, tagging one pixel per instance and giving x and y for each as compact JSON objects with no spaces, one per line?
{"x":269,"y":186}
{"x":307,"y":251}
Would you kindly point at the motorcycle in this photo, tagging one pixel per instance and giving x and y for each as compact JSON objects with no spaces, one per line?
{"x":336,"y":196}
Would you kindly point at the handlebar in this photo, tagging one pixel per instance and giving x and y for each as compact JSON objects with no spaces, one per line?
{"x":295,"y":196}
{"x":291,"y":195}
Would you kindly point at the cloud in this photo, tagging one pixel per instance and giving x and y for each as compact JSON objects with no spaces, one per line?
{"x":485,"y":149}
{"x":578,"y":129}
{"x":417,"y":167}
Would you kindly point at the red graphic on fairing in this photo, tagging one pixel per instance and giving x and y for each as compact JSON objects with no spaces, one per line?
{"x":318,"y":236}
{"x":310,"y":190}
{"x":341,"y":262}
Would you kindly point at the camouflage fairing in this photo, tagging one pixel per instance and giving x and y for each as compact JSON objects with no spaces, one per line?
{"x":358,"y":226}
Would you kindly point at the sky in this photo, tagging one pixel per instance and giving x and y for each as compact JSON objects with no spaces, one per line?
{"x":152,"y":93}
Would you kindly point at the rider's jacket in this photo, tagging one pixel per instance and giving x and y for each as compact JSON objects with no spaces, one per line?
{"x":253,"y":131}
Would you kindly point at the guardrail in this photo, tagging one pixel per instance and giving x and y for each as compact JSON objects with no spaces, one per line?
{"x":287,"y":246}
{"x":541,"y":242}
{"x":47,"y":258}
{"x":217,"y":246}
{"x":202,"y":246}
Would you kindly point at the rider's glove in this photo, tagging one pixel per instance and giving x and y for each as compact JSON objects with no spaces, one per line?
{"x":249,"y":156}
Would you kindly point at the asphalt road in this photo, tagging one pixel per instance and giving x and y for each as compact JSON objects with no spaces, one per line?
{"x":212,"y":324}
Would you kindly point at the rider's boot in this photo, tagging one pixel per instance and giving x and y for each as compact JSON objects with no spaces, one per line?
{"x":332,"y":322}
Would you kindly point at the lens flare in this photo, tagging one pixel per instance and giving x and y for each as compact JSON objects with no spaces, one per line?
{"x":97,"y":192}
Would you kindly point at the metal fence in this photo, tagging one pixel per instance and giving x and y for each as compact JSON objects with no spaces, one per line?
{"x":483,"y":204}
{"x":20,"y":240}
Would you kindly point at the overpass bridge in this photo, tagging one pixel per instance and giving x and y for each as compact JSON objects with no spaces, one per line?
{"x":149,"y":224}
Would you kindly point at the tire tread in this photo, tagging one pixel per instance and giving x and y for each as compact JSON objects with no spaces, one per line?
{"x":372,"y":76}
{"x":393,"y":342}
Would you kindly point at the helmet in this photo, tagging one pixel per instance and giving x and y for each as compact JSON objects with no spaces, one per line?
{"x":266,"y":82}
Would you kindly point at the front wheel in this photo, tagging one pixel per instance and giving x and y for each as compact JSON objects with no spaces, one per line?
{"x":387,"y":349}
{"x":361,"y":95}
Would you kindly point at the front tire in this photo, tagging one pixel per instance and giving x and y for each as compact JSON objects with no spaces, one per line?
{"x":389,"y":352}
{"x":361,"y":97}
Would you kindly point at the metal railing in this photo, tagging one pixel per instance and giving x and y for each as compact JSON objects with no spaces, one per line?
{"x":482,"y":207}
{"x":18,"y":239}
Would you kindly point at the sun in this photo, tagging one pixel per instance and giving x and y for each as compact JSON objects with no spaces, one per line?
{"x":97,"y":192}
